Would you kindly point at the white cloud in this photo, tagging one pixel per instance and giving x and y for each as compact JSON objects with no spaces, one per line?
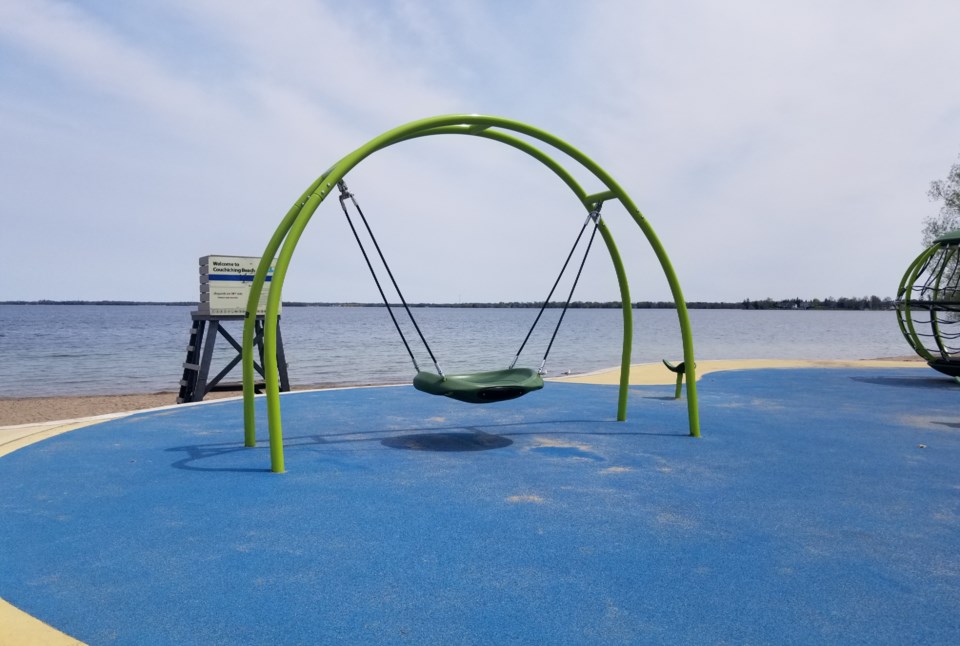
{"x":779,"y":149}
{"x":783,"y":138}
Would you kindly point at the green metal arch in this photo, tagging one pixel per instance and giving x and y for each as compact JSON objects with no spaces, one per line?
{"x":288,"y":233}
{"x":904,"y":317}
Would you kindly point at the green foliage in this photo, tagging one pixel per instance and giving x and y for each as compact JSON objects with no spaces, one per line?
{"x":946,"y":191}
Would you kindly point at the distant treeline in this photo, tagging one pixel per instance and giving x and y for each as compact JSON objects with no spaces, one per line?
{"x":864,"y":303}
{"x":873,"y":303}
{"x":51,"y":302}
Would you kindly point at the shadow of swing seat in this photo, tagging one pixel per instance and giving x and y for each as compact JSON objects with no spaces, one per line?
{"x":480,"y":387}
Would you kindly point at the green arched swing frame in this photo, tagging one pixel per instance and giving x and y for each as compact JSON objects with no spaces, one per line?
{"x":287,"y":235}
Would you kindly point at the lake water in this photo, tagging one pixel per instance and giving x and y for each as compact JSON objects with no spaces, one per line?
{"x":78,"y":349}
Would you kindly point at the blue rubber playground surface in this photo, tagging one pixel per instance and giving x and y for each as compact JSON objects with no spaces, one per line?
{"x":820,"y":506}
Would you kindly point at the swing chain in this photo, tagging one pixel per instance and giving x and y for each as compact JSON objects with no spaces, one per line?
{"x":595,"y":216}
{"x":345,"y":194}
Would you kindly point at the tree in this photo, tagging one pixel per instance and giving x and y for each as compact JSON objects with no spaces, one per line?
{"x":946,"y":191}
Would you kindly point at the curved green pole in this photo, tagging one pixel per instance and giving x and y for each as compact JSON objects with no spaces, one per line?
{"x":293,"y":225}
{"x":903,"y":294}
{"x":626,"y":307}
{"x":253,"y":303}
{"x":948,"y":255}
{"x":271,"y":375}
{"x":690,"y":366}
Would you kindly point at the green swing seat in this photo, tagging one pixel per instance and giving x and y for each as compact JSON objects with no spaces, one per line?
{"x":480,"y":387}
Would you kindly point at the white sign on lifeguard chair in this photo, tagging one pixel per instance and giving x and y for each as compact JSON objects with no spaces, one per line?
{"x":225,"y":283}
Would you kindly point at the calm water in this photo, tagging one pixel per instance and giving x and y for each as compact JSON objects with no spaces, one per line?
{"x":71,"y":349}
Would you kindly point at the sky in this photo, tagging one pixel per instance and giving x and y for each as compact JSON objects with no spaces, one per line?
{"x":778,"y":149}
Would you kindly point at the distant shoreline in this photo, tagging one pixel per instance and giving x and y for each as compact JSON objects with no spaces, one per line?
{"x":872,"y":303}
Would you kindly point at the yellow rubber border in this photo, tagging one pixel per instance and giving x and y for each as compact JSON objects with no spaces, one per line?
{"x":16,"y":626}
{"x":656,"y":374}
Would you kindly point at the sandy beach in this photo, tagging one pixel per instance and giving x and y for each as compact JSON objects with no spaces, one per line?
{"x":32,"y":410}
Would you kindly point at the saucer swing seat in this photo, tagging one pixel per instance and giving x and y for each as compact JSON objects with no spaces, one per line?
{"x":481,"y":387}
{"x":476,"y":387}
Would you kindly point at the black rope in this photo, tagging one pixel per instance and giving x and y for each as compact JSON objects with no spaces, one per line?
{"x":932,"y":290}
{"x":593,"y":215}
{"x":939,"y":259}
{"x":344,"y":194}
{"x":952,"y":272}
{"x":356,"y":236}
